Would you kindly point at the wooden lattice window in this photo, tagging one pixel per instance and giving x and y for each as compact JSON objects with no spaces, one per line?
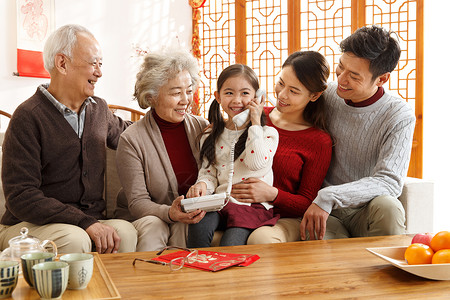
{"x":262,"y":34}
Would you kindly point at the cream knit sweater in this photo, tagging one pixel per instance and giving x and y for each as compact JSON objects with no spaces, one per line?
{"x":255,"y":161}
{"x":371,"y":153}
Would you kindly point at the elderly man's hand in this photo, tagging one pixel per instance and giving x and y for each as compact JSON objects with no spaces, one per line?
{"x":105,"y":237}
{"x":177,"y":215}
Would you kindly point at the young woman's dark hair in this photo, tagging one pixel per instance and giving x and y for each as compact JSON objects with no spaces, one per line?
{"x":215,"y":115}
{"x":375,"y":44}
{"x":312,"y":70}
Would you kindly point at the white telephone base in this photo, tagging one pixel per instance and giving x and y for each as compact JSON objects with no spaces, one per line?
{"x":207,"y":203}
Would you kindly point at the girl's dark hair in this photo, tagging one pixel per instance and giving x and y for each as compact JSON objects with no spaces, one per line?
{"x":312,"y":70}
{"x":215,"y":115}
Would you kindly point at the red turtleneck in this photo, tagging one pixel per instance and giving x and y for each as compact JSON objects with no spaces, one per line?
{"x":180,"y":153}
{"x":367,"y":102}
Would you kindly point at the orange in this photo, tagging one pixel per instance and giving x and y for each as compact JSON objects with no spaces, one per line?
{"x":440,"y":240}
{"x":417,"y":254}
{"x":441,"y":257}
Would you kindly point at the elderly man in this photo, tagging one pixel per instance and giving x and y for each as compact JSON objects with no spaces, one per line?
{"x":54,"y":154}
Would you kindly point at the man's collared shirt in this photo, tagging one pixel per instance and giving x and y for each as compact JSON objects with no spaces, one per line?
{"x":75,"y":120}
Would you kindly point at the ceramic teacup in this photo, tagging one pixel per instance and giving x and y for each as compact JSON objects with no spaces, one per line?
{"x":30,"y":259}
{"x":50,"y":279}
{"x":81,"y":269}
{"x":9,"y":272}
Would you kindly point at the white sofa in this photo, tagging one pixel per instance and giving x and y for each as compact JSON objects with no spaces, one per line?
{"x":417,"y":197}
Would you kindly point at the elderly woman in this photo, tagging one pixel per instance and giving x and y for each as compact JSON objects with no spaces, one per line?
{"x":158,"y":157}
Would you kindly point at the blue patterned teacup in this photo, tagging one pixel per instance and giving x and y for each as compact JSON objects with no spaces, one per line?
{"x":50,"y":279}
{"x":9,"y":272}
{"x":31,"y":259}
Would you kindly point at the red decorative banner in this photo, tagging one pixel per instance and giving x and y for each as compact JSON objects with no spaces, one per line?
{"x":35,"y":21}
{"x":196,"y":4}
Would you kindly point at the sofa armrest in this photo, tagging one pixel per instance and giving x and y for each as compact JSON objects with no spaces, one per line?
{"x":417,"y":198}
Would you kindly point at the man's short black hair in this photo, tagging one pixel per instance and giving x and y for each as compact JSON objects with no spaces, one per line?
{"x":375,"y":44}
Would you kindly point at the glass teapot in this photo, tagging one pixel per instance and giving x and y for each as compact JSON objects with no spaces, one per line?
{"x":25,"y":243}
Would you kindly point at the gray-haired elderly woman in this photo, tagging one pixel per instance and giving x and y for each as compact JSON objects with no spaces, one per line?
{"x":158,"y":156}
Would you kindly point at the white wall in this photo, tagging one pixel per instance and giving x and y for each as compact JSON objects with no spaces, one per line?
{"x":118,"y":25}
{"x":436,"y":160}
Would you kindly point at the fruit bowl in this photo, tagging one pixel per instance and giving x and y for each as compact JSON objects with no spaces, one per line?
{"x":395,"y":256}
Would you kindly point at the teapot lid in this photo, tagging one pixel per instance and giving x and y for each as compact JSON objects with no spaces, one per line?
{"x":23,"y":240}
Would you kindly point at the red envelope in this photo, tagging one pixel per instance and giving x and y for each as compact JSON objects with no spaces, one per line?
{"x":211,"y":260}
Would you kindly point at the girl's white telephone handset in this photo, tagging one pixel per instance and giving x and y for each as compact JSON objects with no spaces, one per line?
{"x":242,"y":117}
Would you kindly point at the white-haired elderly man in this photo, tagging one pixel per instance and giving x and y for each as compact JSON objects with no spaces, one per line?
{"x":54,"y":154}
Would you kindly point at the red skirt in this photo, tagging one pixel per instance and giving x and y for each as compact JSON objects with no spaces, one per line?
{"x":245,"y":216}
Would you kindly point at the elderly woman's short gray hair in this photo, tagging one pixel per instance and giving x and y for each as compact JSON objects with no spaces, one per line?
{"x":157,"y":69}
{"x":62,"y":41}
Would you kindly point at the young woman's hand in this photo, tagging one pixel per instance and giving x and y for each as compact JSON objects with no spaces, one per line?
{"x":177,"y":215}
{"x":253,"y":190}
{"x":197,"y":190}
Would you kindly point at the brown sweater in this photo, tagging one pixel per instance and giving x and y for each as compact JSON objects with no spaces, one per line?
{"x":50,"y":175}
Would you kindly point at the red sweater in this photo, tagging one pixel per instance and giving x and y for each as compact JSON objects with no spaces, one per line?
{"x":180,"y":153}
{"x":299,"y":168}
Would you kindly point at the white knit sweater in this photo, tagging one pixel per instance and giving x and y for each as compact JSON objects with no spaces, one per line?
{"x":255,"y":161}
{"x":372,"y":150}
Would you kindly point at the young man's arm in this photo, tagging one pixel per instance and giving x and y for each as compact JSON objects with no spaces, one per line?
{"x":386,"y":178}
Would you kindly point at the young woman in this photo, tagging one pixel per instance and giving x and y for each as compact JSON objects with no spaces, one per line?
{"x":304,"y":151}
{"x":254,"y":150}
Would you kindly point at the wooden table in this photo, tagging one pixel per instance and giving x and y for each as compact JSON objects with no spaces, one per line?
{"x":333,"y":269}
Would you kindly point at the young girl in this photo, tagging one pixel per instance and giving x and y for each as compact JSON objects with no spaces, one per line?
{"x":254,"y":150}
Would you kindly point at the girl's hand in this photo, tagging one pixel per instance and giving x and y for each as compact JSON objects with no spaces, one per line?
{"x":256,"y":109}
{"x":253,"y":190}
{"x":177,"y":215}
{"x":197,"y":190}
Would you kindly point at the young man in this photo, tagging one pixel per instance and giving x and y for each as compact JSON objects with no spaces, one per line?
{"x":54,"y":154}
{"x":372,"y":131}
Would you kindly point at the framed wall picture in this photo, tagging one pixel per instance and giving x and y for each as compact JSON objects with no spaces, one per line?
{"x":35,"y":21}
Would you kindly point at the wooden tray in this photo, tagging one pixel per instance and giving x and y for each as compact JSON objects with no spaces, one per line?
{"x":100,"y":286}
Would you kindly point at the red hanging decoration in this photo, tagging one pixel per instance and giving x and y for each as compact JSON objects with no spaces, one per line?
{"x":196,"y":4}
{"x":195,"y":33}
